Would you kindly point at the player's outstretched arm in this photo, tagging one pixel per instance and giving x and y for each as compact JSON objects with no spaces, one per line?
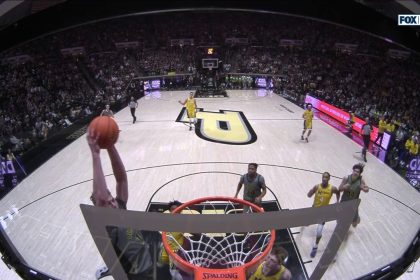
{"x":100,"y":189}
{"x":119,"y":173}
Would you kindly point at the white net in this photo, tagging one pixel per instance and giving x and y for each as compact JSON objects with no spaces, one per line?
{"x":218,"y":250}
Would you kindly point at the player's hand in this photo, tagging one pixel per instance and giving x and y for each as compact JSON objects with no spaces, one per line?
{"x":92,"y":139}
{"x":258,"y":200}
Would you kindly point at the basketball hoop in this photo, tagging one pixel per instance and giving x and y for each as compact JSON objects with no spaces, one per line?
{"x":221,"y":256}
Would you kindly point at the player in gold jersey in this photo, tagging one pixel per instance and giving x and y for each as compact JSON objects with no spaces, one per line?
{"x":174,"y":244}
{"x":350,"y":122}
{"x":323,"y":193}
{"x":308,"y":115}
{"x":272,"y":268}
{"x":191,"y":107}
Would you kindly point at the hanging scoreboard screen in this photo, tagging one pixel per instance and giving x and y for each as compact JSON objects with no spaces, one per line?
{"x":210,"y":63}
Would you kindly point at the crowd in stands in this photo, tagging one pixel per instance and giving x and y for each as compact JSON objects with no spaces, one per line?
{"x":50,"y":91}
{"x":38,"y":98}
{"x":368,"y":85}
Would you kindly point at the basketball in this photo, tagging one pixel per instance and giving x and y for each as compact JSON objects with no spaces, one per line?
{"x":106,"y":129}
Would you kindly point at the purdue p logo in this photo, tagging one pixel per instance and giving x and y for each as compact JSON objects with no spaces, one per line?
{"x":228,"y":127}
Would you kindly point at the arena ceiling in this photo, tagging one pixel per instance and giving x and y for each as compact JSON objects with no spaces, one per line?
{"x":21,"y":20}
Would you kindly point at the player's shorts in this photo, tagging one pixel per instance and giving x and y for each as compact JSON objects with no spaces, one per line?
{"x":246,"y":208}
{"x":366,"y":140}
{"x":191,"y":113}
{"x":307,"y":125}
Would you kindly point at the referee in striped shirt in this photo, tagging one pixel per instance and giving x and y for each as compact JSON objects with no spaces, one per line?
{"x":366,"y":130}
{"x":133,"y":106}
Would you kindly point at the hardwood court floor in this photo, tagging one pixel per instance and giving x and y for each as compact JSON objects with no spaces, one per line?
{"x":51,"y":234}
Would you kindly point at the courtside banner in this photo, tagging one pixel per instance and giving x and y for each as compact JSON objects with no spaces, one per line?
{"x":343,"y":117}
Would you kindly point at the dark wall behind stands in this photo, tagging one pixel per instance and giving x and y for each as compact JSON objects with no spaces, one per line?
{"x":75,"y":12}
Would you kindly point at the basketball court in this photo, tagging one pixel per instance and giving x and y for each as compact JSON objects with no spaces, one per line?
{"x":166,"y":161}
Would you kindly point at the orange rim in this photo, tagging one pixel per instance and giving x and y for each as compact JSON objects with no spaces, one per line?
{"x":189,"y":268}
